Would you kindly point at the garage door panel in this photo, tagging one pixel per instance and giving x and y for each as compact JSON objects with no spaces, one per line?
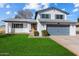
{"x":58,"y":30}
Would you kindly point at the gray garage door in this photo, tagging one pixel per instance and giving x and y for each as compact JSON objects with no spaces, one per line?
{"x":58,"y":29}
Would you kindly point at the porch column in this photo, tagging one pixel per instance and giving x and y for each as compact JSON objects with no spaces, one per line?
{"x":29,"y":27}
{"x":6,"y":27}
{"x":10,"y":27}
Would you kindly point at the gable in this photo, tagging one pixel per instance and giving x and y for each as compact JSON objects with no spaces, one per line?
{"x":50,"y":10}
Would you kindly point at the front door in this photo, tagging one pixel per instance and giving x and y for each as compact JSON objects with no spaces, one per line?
{"x":33,"y":27}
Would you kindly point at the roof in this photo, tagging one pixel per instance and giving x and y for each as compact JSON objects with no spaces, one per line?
{"x":49,"y":9}
{"x":20,"y":20}
{"x":42,"y":21}
{"x":56,"y":21}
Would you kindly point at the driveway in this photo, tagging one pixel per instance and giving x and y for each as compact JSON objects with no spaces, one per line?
{"x":69,"y":42}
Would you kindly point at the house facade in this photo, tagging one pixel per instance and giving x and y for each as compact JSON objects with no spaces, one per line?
{"x":53,"y":20}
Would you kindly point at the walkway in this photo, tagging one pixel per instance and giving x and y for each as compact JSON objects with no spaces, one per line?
{"x":69,"y":42}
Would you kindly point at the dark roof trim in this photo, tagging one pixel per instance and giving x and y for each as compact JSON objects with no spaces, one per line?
{"x":64,"y":23}
{"x":49,"y":9}
{"x":19,"y":21}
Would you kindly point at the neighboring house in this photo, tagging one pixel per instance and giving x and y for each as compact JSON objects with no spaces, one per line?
{"x":53,"y":20}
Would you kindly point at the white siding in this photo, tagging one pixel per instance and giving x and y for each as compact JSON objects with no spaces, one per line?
{"x":7,"y":27}
{"x":26,"y":28}
{"x":52,"y":13}
{"x":40,"y":27}
{"x":72,"y":29}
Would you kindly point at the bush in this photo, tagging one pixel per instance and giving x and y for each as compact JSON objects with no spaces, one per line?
{"x":2,"y":31}
{"x":45,"y":33}
{"x":36,"y":33}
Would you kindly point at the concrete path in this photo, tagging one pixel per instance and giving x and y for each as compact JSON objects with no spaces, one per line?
{"x":69,"y":42}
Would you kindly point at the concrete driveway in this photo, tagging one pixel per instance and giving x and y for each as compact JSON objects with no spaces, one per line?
{"x":69,"y":42}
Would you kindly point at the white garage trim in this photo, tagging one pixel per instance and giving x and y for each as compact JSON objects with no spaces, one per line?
{"x":72,"y":30}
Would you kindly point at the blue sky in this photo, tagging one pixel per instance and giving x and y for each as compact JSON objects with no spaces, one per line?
{"x":9,"y":10}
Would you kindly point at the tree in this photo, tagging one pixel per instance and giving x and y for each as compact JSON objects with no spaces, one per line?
{"x":17,"y":16}
{"x":24,"y":14}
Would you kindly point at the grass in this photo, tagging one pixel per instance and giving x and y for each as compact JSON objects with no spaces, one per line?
{"x":21,"y":45}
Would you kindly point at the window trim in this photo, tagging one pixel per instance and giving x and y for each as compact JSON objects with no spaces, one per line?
{"x":45,"y":17}
{"x":59,"y":16}
{"x":17,"y":25}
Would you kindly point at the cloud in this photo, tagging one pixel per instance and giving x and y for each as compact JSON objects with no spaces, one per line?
{"x":2,"y":5}
{"x":8,"y":12}
{"x":45,"y":5}
{"x":36,"y":6}
{"x":76,"y":4}
{"x":31,"y":6}
{"x":63,"y":9}
{"x":75,"y":10}
{"x":76,"y":7}
{"x":15,"y":12}
{"x":7,"y":6}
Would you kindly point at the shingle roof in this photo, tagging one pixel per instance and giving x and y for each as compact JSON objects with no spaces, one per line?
{"x":20,"y":20}
{"x":49,"y":9}
{"x":34,"y":21}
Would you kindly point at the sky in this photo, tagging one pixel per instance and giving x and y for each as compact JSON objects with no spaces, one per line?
{"x":9,"y":10}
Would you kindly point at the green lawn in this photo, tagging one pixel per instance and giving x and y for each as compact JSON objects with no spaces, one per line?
{"x":21,"y":45}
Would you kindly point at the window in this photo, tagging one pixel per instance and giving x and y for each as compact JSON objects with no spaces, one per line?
{"x":45,"y":15}
{"x":17,"y":25}
{"x":59,"y":17}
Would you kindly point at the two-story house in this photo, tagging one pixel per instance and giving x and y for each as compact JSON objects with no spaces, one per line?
{"x":52,"y":19}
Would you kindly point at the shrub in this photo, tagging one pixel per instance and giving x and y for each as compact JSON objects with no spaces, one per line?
{"x":45,"y":33}
{"x":36,"y":33}
{"x":2,"y":31}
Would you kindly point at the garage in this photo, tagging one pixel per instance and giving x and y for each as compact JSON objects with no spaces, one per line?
{"x":58,"y":29}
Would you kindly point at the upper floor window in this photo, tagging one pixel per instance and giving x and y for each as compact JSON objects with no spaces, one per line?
{"x":45,"y":16}
{"x":17,"y":25}
{"x":59,"y":17}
